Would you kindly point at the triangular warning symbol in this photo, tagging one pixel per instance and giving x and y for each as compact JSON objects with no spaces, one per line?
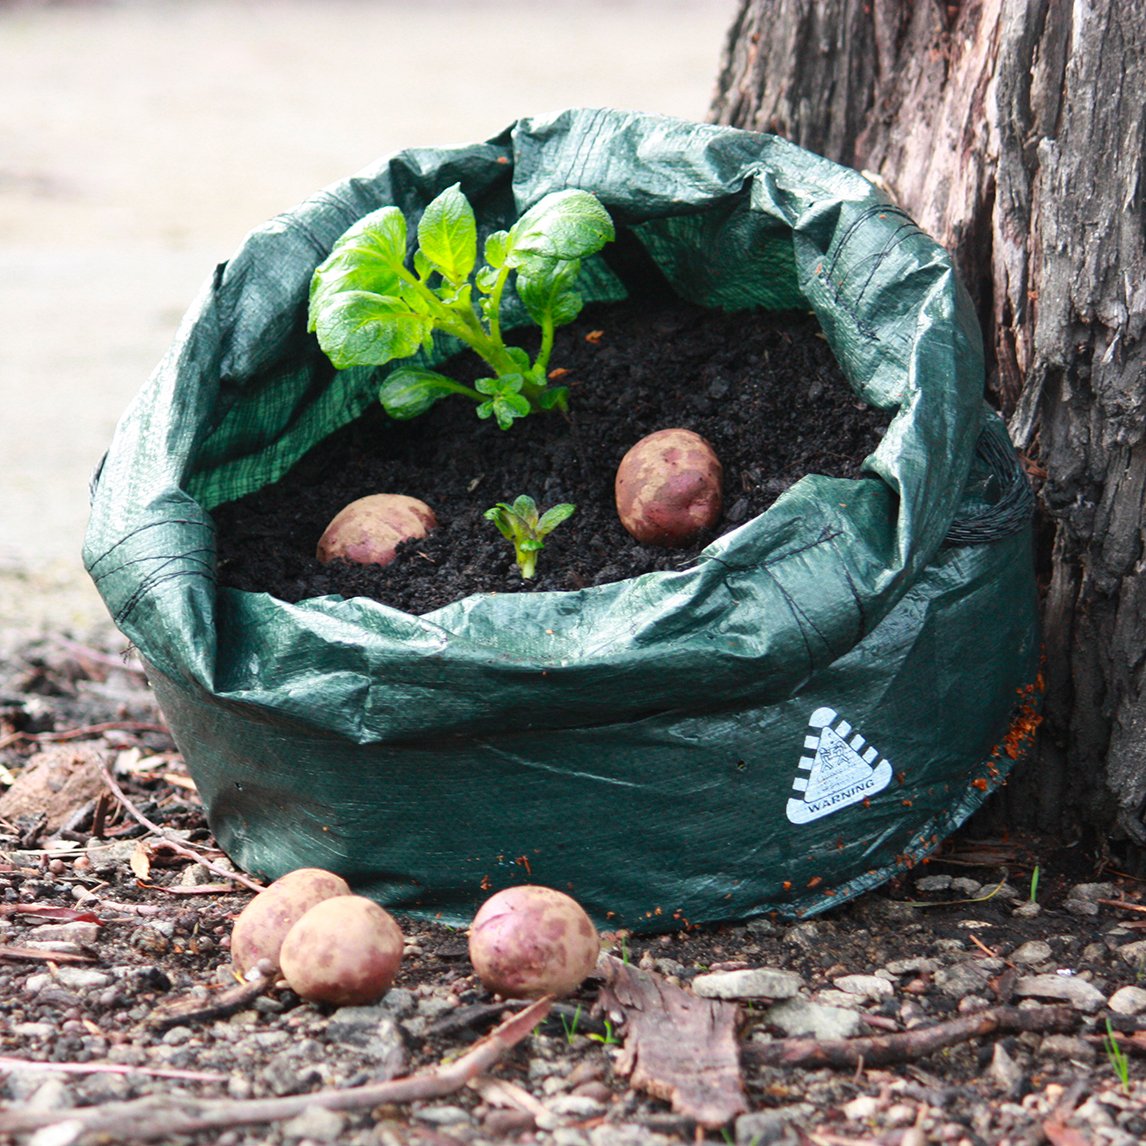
{"x":839,"y":769}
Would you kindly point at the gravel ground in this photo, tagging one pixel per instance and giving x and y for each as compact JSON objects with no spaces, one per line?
{"x":967,"y":1004}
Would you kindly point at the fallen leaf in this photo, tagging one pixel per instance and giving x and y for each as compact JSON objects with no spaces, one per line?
{"x":677,"y":1046}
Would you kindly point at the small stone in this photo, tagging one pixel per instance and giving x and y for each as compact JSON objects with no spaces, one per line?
{"x":754,"y":983}
{"x":400,"y":1003}
{"x":197,"y":875}
{"x":1092,"y":891}
{"x":316,"y":1124}
{"x":966,"y":978}
{"x":1083,"y":908}
{"x":1067,"y":1047}
{"x":1133,"y":953}
{"x":772,"y":1127}
{"x":1128,"y":1001}
{"x":34,"y":1030}
{"x":507,"y":1123}
{"x":177,"y":1036}
{"x":861,"y":1108}
{"x":443,"y":1115}
{"x":933,"y":883}
{"x":78,"y":932}
{"x":871,"y":987}
{"x":570,"y":1108}
{"x":52,"y":1094}
{"x":1028,"y":910}
{"x":1005,"y":1072}
{"x":762,"y":927}
{"x":964,"y":885}
{"x":798,"y":1018}
{"x":1081,"y":995}
{"x":810,"y":935}
{"x":1034,"y":952}
{"x":919,"y":965}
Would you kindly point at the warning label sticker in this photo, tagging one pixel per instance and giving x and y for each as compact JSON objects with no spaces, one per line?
{"x":838,"y":769}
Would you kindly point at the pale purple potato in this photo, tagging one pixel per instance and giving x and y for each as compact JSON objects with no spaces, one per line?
{"x":530,"y":941}
{"x":669,"y":488}
{"x":262,"y":925}
{"x":344,"y":951}
{"x":368,"y":531}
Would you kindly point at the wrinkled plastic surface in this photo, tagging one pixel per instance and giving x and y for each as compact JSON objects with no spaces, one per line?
{"x":813,"y":704}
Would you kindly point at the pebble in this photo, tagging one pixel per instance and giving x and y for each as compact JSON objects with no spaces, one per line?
{"x":1128,"y":1001}
{"x":966,"y":978}
{"x":1080,"y":994}
{"x":754,"y":983}
{"x":315,"y":1123}
{"x":1134,"y":953}
{"x":1067,"y":1047}
{"x":1034,"y":951}
{"x":773,"y":1127}
{"x":444,"y":1115}
{"x":73,"y":978}
{"x":799,"y":1018}
{"x":870,"y":987}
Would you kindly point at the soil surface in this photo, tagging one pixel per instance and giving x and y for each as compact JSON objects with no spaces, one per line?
{"x":763,"y":388}
{"x":967,"y":1003}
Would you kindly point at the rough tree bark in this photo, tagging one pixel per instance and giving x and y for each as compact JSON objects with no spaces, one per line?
{"x":1014,"y":132}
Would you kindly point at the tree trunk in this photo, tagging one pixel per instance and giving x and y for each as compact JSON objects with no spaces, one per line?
{"x":1013,"y":131}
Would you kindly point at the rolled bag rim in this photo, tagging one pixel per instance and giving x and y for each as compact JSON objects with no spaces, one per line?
{"x":926,"y":359}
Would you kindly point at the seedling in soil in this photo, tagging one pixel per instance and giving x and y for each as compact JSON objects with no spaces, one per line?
{"x":521,"y":524}
{"x":369,"y":308}
{"x":1034,"y":884}
{"x":609,"y":1038}
{"x":1118,"y":1057}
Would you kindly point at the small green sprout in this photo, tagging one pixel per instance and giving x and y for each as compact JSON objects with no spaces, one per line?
{"x":1118,"y":1057}
{"x":571,"y":1025}
{"x":368,"y":307}
{"x":521,"y":524}
{"x":609,"y":1038}
{"x":1034,"y":884}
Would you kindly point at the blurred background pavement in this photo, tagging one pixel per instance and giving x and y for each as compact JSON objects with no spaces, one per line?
{"x":141,"y":139}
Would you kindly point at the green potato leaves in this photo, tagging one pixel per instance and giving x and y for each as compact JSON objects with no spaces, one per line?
{"x":368,"y":307}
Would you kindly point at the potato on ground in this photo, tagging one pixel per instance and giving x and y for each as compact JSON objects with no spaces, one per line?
{"x":262,"y":925}
{"x":344,"y":951}
{"x":530,"y":941}
{"x":669,"y":488}
{"x":368,"y":531}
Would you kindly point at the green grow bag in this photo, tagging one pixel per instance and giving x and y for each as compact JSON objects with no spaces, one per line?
{"x":828,"y":691}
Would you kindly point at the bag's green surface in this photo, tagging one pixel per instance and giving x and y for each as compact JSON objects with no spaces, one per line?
{"x":814,"y":704}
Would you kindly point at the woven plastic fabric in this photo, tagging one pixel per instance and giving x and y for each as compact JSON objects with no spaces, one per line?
{"x":830,"y":689}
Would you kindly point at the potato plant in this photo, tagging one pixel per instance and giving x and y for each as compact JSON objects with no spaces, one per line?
{"x":368,"y":307}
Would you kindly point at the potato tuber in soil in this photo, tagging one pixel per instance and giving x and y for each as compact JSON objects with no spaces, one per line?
{"x":669,"y":488}
{"x":368,"y":531}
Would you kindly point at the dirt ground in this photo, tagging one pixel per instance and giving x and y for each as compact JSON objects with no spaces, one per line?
{"x":141,"y":139}
{"x":993,"y":997}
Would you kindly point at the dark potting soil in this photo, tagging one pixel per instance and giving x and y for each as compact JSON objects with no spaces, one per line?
{"x":762,"y":387}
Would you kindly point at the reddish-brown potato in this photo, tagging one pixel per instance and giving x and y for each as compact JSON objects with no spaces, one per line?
{"x":344,"y":951}
{"x":530,"y":941}
{"x":262,"y":925}
{"x":669,"y":488}
{"x":368,"y":531}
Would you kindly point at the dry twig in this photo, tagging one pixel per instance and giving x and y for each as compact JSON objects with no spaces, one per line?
{"x":907,"y":1046}
{"x":178,"y":848}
